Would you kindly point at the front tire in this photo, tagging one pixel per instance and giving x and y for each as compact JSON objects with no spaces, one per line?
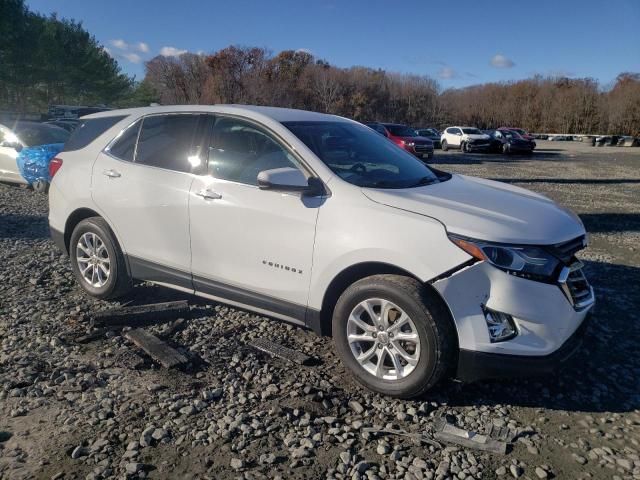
{"x":97,"y":260}
{"x":393,"y":336}
{"x":505,"y":148}
{"x":444,"y":146}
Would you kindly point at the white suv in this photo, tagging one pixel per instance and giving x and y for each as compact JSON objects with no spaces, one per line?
{"x":467,"y":139}
{"x":318,"y":220}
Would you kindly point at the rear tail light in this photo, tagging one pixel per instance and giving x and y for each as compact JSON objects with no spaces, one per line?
{"x":54,"y":166}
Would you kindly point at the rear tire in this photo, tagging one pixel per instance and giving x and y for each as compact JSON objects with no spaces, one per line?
{"x":97,"y":260}
{"x":412,"y":350}
{"x":444,"y":146}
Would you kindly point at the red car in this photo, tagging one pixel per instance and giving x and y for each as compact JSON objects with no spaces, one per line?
{"x":521,"y":131}
{"x":405,"y":137}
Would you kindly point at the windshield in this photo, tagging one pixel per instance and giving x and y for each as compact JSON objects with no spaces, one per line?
{"x":471,"y":131}
{"x":428,"y":132}
{"x":360,"y":156}
{"x":519,"y":130}
{"x":33,"y":134}
{"x":511,"y":134}
{"x":401,"y":131}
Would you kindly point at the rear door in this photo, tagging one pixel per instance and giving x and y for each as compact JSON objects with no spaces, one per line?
{"x":141,"y":183}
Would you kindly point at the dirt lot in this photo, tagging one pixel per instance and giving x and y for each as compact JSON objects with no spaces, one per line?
{"x":103,"y":409}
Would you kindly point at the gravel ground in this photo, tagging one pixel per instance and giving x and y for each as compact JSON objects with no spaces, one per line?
{"x":104,"y":409}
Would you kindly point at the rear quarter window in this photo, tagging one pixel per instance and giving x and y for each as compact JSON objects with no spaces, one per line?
{"x":89,"y":130}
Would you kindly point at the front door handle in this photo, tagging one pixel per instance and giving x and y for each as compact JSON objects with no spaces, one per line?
{"x":209,"y":194}
{"x":111,"y":173}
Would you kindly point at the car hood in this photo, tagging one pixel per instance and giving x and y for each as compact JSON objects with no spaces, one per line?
{"x":486,"y":210}
{"x":476,"y":136}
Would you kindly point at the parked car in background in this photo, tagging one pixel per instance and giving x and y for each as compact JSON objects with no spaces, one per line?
{"x":520,"y":131}
{"x":69,"y":125}
{"x":22,"y":135}
{"x":509,"y":141}
{"x":405,"y":137}
{"x":430,"y":133}
{"x":467,"y":139}
{"x":72,"y":111}
{"x":516,"y":134}
{"x":317,"y":220}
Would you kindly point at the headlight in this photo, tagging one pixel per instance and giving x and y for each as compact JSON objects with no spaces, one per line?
{"x":408,"y":144}
{"x":11,"y":137}
{"x":524,"y":261}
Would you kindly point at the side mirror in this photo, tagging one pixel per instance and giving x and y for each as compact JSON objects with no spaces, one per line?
{"x":289,"y":179}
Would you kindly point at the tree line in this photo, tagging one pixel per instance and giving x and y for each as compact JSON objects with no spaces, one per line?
{"x":298,"y":80}
{"x":47,"y":60}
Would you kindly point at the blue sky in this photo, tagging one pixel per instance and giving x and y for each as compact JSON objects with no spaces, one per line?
{"x":457,"y":42}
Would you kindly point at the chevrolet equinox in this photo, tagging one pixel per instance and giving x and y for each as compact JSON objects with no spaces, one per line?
{"x":318,"y":220}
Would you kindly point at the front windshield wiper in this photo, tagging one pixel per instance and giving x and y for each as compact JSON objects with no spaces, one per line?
{"x":424,"y":181}
{"x":382,"y":184}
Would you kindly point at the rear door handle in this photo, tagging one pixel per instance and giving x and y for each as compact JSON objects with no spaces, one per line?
{"x":111,"y":173}
{"x":209,"y":194}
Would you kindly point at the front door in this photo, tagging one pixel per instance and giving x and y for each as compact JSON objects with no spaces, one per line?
{"x":455,"y":137}
{"x":250,"y":246}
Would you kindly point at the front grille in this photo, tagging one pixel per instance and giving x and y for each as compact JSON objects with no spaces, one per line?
{"x":576,"y":286}
{"x":566,"y":250}
{"x":423,"y":148}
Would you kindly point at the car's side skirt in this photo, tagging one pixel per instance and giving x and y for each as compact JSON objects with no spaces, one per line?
{"x":220,"y":292}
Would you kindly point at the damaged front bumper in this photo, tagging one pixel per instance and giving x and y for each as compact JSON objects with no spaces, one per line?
{"x":549,"y":326}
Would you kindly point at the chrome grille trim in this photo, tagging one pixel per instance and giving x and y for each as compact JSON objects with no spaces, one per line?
{"x":420,"y":148}
{"x":575,"y":286}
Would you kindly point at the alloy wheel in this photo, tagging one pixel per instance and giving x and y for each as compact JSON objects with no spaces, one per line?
{"x":383,"y":339}
{"x":93,"y":260}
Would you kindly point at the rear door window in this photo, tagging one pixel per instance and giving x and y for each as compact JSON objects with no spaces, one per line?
{"x":124,"y":146}
{"x":89,"y":130}
{"x":166,"y":141}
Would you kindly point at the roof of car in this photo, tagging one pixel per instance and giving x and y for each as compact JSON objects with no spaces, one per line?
{"x":20,"y":124}
{"x":274,"y":113}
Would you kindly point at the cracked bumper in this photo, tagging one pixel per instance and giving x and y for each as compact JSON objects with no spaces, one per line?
{"x":549,"y":328}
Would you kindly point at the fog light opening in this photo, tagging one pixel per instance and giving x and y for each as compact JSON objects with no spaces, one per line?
{"x":500,"y":325}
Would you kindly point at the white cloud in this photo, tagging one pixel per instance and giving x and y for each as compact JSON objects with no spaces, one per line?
{"x":171,"y":51}
{"x":119,"y":43}
{"x":561,"y":73}
{"x":126,"y":51}
{"x":500,"y":61}
{"x":132,"y":57}
{"x":447,"y":73}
